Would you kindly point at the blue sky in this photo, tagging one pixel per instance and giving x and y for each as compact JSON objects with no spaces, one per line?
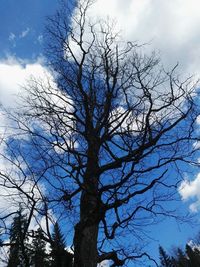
{"x":22,"y":26}
{"x":170,"y":28}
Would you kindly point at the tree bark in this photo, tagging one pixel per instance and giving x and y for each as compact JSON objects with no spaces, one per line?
{"x":85,"y":246}
{"x":86,"y":231}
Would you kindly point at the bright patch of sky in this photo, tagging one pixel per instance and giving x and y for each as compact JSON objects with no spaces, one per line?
{"x":169,"y":27}
{"x":13,"y":74}
{"x":190,"y":190}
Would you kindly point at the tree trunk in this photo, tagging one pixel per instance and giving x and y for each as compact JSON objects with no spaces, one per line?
{"x":85,"y":246}
{"x":86,"y":231}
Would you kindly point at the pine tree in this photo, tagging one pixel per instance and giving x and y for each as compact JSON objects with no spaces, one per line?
{"x":39,"y":255}
{"x":60,"y":257}
{"x":194,"y":257}
{"x":19,"y":255}
{"x":174,"y":262}
{"x":182,"y":260}
{"x":197,"y":254}
{"x":189,"y":258}
{"x":165,"y":259}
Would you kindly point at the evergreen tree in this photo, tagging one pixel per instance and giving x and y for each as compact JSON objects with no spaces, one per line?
{"x":197,"y":254}
{"x":60,"y":257}
{"x":189,"y":258}
{"x":194,"y":257}
{"x":39,"y":255}
{"x":19,"y":255}
{"x":182,"y":260}
{"x":174,"y":262}
{"x":165,"y":259}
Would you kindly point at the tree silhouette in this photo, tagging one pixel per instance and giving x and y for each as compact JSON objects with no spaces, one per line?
{"x":103,"y":133}
{"x":182,"y":260}
{"x":189,"y":258}
{"x":60,"y":257}
{"x":19,"y":252}
{"x":193,"y":255}
{"x":39,"y":256}
{"x":165,"y":259}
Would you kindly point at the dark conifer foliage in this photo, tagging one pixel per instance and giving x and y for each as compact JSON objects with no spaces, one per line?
{"x":19,"y":252}
{"x":39,"y":254}
{"x":188,"y":258}
{"x":60,"y":257}
{"x":193,"y":256}
{"x":32,"y":251}
{"x":181,"y":258}
{"x":165,"y":259}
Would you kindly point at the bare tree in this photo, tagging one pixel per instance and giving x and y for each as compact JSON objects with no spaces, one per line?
{"x":103,"y":136}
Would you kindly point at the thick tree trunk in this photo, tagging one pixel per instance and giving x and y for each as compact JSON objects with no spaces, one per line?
{"x":86,"y":231}
{"x":85,"y":246}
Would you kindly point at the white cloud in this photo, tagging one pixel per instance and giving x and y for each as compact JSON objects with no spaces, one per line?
{"x":190,"y":190}
{"x":24,"y":33}
{"x":13,"y":75}
{"x":12,"y":36}
{"x":171,"y":27}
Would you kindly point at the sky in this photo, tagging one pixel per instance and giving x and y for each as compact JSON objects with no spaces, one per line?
{"x":171,"y":28}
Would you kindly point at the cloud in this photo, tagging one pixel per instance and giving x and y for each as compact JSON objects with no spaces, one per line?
{"x":13,"y":75}
{"x":24,"y":33}
{"x":15,"y":37}
{"x":171,"y":27}
{"x":190,"y":190}
{"x":12,"y":36}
